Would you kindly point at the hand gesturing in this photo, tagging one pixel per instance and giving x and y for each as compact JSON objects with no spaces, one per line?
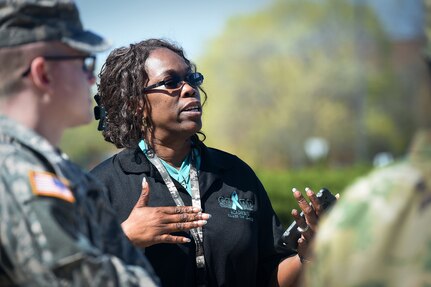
{"x":147,"y":226}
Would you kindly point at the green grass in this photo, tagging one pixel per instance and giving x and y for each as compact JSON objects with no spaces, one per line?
{"x":279,"y":184}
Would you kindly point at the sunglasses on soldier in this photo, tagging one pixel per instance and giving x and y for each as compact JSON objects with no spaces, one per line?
{"x":88,"y":66}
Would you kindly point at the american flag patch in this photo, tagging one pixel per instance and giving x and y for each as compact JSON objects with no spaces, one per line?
{"x":48,"y":184}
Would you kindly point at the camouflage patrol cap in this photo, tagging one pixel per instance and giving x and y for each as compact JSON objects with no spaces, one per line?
{"x":28,"y":21}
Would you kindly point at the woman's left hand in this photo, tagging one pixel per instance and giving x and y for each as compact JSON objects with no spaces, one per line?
{"x":289,"y":270}
{"x":307,"y":224}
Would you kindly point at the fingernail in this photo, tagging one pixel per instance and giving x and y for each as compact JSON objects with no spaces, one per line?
{"x":197,"y":209}
{"x":294,"y":189}
{"x":144,"y":181}
{"x":202,"y":222}
{"x":186,"y":240}
{"x":206,"y":216}
{"x":307,"y":189}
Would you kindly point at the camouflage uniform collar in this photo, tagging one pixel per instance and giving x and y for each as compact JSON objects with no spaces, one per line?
{"x":420,"y":149}
{"x":27,"y":137}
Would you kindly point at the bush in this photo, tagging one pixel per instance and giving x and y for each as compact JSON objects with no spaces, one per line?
{"x":279,"y":184}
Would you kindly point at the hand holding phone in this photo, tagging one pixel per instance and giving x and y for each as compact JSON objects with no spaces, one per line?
{"x":290,"y":237}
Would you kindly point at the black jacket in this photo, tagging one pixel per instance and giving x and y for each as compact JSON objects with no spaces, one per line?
{"x":240,"y":244}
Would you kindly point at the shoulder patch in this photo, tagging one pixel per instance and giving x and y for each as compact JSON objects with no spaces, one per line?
{"x":48,"y":184}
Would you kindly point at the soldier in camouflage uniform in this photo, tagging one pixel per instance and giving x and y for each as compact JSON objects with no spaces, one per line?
{"x":378,"y":234}
{"x":55,"y":228}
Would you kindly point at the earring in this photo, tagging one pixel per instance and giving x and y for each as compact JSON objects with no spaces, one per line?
{"x":144,"y":122}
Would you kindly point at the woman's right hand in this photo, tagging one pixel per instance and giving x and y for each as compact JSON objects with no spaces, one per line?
{"x":147,"y":226}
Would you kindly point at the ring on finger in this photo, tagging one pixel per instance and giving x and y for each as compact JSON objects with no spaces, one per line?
{"x":183,"y":217}
{"x":180,"y":226}
{"x":302,"y":230}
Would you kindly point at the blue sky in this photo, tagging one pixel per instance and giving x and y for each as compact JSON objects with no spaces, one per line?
{"x":190,"y":23}
{"x":401,"y":19}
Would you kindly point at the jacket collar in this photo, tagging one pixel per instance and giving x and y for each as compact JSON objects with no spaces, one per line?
{"x":133,"y":161}
{"x":213,"y":164}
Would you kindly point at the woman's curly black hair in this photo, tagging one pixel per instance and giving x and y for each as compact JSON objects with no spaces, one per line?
{"x":120,"y":91}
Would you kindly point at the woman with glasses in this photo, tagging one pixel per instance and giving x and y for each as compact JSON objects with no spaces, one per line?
{"x":201,"y":214}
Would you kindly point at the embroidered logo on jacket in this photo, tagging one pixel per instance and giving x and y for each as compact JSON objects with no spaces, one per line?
{"x":239,"y":208}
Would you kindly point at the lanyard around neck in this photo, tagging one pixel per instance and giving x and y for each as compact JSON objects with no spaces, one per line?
{"x":196,"y":198}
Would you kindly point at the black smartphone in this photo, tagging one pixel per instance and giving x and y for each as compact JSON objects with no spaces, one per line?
{"x":291,"y":235}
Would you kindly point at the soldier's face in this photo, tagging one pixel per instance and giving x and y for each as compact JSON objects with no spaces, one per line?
{"x":71,"y":86}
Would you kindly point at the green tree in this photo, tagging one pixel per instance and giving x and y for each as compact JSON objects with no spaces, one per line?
{"x":300,"y":69}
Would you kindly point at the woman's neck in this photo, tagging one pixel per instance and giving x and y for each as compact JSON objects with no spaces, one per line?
{"x":173,"y":153}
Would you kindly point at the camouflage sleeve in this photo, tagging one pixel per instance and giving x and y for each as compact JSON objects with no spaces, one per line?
{"x":376,"y":234}
{"x":40,"y":241}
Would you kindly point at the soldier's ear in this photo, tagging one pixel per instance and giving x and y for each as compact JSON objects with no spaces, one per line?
{"x":39,"y":74}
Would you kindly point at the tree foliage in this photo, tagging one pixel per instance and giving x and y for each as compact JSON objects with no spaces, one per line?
{"x":301,"y":69}
{"x":298,"y":69}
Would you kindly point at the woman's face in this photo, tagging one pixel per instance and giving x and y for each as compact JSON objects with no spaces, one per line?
{"x":175,"y":112}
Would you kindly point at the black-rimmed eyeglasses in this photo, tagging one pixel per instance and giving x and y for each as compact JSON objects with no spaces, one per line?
{"x":88,"y":66}
{"x":194,"y":79}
